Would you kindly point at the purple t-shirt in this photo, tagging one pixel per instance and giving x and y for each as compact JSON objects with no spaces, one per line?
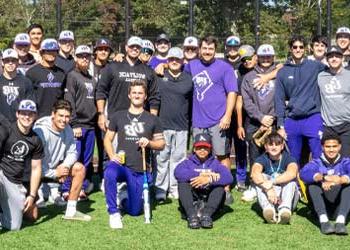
{"x":155,"y":61}
{"x":212,"y":83}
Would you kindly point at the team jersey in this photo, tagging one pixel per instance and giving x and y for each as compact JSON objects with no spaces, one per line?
{"x":12,"y":92}
{"x":48,"y":84}
{"x":18,"y":148}
{"x":130,"y":129}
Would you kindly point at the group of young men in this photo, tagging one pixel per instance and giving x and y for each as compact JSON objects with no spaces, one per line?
{"x":58,"y":100}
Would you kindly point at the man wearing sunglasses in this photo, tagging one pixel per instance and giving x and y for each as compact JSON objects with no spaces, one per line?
{"x":296,"y":84}
{"x":334,"y":89}
{"x":342,"y":38}
{"x":147,"y":51}
{"x":190,"y":47}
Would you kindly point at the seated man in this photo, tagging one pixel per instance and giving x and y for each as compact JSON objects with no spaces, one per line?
{"x":19,"y":145}
{"x":61,"y":156}
{"x":327,"y":180}
{"x":202,"y":179}
{"x":274,"y":174}
{"x":136,"y":129}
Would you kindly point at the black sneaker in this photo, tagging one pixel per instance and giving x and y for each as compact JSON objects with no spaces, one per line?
{"x":341,"y":229}
{"x":228,"y":198}
{"x":327,"y":228}
{"x":206,"y":221}
{"x":193,"y":222}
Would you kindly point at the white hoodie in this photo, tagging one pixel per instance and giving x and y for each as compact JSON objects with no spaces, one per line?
{"x":59,"y":147}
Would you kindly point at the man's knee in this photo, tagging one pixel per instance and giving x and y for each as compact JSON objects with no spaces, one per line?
{"x":78,"y":169}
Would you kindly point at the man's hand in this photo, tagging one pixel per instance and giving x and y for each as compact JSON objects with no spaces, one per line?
{"x":225,"y":122}
{"x":102,"y":122}
{"x":200,"y":181}
{"x":116,"y":158}
{"x":143,"y":142}
{"x":241,"y":133}
{"x":28,"y":203}
{"x":78,"y":132}
{"x":267,"y":185}
{"x":159,"y":70}
{"x":62,"y":171}
{"x":332,"y":178}
{"x":282,"y":133}
{"x":260,"y":81}
{"x":318,"y":177}
{"x":327,"y":185}
{"x":267,"y":120}
{"x":119,"y":57}
{"x":214,"y":176}
{"x":272,"y":196}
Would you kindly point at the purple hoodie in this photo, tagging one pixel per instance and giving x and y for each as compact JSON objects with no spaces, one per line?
{"x":340,"y":167}
{"x":192,"y":167}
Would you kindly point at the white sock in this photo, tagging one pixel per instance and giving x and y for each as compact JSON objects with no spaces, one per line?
{"x":323,"y":218}
{"x":340,"y":219}
{"x":71,"y":208}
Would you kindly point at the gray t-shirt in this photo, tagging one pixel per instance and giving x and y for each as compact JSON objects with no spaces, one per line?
{"x":335,"y":97}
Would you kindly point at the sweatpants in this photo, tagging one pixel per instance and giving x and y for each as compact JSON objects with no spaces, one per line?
{"x":287,"y":193}
{"x":12,"y":198}
{"x":167,"y":159}
{"x":213,"y":198}
{"x":114,"y":173}
{"x":311,"y":128}
{"x":334,"y":202}
{"x":85,"y":148}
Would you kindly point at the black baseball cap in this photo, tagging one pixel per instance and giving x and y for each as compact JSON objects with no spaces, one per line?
{"x":162,"y":37}
{"x":202,"y":140}
{"x":103,"y":42}
{"x":334,"y":50}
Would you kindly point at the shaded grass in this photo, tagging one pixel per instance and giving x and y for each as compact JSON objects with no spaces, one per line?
{"x":240,"y":228}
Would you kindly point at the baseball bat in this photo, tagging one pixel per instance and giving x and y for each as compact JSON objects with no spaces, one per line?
{"x":145,"y":192}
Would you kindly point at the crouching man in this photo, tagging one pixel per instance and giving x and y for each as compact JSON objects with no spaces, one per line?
{"x":274,"y":174}
{"x":327,"y":180}
{"x":60,"y":161}
{"x":19,"y":145}
{"x":202,"y":180}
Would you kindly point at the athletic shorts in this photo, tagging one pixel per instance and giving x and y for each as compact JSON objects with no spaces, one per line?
{"x":219,"y":139}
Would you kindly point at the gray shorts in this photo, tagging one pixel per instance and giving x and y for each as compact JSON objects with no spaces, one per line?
{"x":219,"y":139}
{"x":12,"y":197}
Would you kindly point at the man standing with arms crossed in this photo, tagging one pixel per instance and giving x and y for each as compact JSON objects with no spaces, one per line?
{"x":214,"y":97}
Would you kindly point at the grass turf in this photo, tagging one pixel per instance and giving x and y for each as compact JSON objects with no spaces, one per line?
{"x":240,"y":228}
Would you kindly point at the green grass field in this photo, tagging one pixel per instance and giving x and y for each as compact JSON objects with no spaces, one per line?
{"x":240,"y":228}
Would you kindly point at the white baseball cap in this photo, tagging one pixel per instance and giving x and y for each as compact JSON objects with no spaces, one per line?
{"x":265,"y":50}
{"x":190,"y":41}
{"x":175,"y":52}
{"x":66,"y":35}
{"x":147,"y":44}
{"x":83,"y":49}
{"x":233,"y":41}
{"x":27,"y":105}
{"x":135,"y":40}
{"x":22,"y":39}
{"x":9,"y":53}
{"x":343,"y":30}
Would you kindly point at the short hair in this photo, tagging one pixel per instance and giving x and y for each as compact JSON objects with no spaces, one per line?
{"x":35,"y":26}
{"x":274,"y":138}
{"x":330,"y":136}
{"x":209,"y":39}
{"x":296,"y":38}
{"x":62,"y":104}
{"x":319,"y":39}
{"x":138,"y":83}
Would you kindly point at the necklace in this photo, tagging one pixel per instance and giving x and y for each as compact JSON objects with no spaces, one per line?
{"x":136,"y":118}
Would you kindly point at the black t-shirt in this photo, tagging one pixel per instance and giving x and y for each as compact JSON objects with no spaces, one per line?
{"x":130,"y":129}
{"x":12,"y":93}
{"x":66,"y":64}
{"x":175,"y":96}
{"x":278,"y":166}
{"x":16,"y":149}
{"x":48,"y":84}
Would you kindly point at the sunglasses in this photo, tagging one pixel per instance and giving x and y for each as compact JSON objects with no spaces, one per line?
{"x":87,"y":56}
{"x":190,"y":48}
{"x":298,"y":47}
{"x":248,"y":58}
{"x":147,"y":51}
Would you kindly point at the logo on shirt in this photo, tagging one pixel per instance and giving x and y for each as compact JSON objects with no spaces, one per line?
{"x":90,"y":89}
{"x":264,"y":91}
{"x":19,"y":151}
{"x":332,"y":86}
{"x":202,"y":83}
{"x":134,"y":128}
{"x":11,"y":93}
{"x":50,"y":84}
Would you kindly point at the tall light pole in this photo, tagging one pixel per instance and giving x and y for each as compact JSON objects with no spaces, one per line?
{"x":58,"y":17}
{"x":190,"y":22}
{"x":257,"y":23}
{"x":127,"y":20}
{"x":319,"y":18}
{"x":329,"y":22}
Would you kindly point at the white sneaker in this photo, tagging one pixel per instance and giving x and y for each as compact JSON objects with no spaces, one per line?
{"x":115,"y":221}
{"x":284,"y":215}
{"x":249,"y":195}
{"x":173,"y":195}
{"x":59,"y":201}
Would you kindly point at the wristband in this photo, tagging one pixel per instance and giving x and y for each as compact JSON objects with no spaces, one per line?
{"x":33,"y":196}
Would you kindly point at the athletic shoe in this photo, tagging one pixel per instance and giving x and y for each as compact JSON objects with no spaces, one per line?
{"x":41,"y":203}
{"x":115,"y":221}
{"x":193,"y":222}
{"x":241,"y":187}
{"x":269,"y":215}
{"x":284,"y":215}
{"x":228,"y":198}
{"x":78,"y":216}
{"x":341,"y":229}
{"x":60,"y":201}
{"x":249,"y":195}
{"x":327,"y":228}
{"x":206,"y":222}
{"x":173,"y":195}
{"x":102,"y":186}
